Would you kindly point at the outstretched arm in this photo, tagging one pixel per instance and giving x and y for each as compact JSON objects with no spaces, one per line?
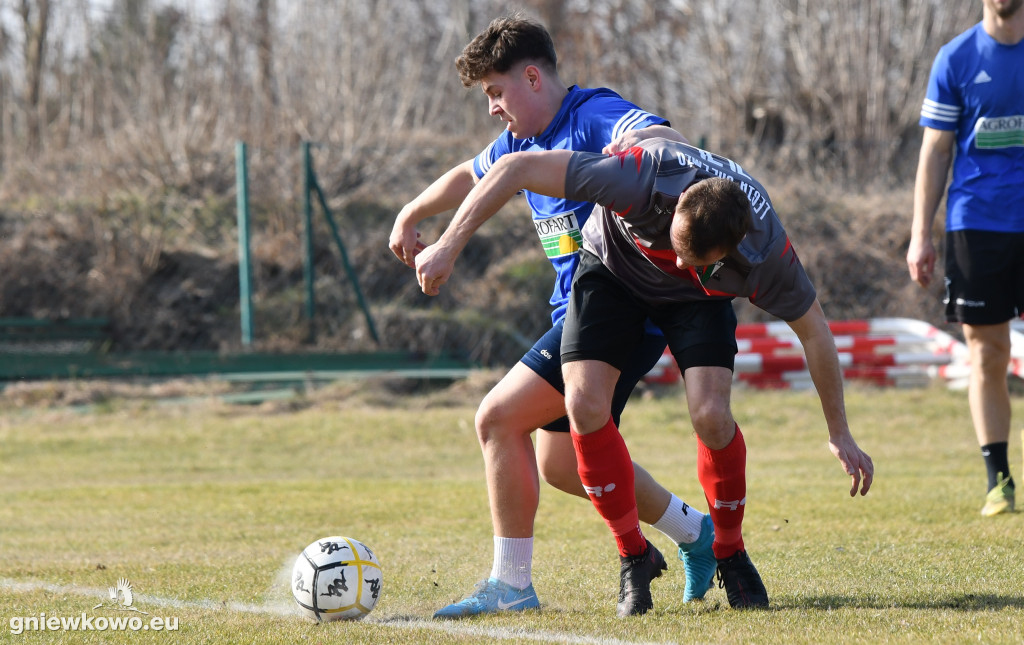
{"x":823,"y":364}
{"x":539,"y":172}
{"x":446,"y":193}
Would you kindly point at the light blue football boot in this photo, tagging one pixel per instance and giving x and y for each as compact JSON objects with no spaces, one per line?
{"x":699,"y":561}
{"x":491,"y":596}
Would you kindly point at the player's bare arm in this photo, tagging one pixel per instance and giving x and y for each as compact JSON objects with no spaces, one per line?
{"x":823,"y":364}
{"x":446,"y":193}
{"x":630,"y":138}
{"x":539,"y":172}
{"x":932,"y":170}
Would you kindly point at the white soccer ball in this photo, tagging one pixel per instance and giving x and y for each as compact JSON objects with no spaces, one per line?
{"x":336,"y":578}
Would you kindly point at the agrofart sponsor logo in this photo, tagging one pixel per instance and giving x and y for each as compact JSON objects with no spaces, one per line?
{"x":999,"y":132}
{"x":560,"y":234}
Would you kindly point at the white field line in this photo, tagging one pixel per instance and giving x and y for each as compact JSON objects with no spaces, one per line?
{"x":284,"y":609}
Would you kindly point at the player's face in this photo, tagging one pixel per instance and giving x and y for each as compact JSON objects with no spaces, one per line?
{"x":684,"y":262}
{"x":1005,"y":9}
{"x":511,"y":98}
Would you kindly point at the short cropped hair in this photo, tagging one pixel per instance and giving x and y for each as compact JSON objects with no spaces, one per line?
{"x":712,"y":214}
{"x":506,"y":42}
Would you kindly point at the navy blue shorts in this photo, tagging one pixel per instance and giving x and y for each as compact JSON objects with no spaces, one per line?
{"x":543,"y":358}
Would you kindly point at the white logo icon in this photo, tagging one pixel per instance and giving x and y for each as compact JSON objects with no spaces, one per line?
{"x":597,"y":491}
{"x":121,"y":597}
{"x":545,"y":353}
{"x":502,"y":605}
{"x":982,"y":77}
{"x":731,"y":505}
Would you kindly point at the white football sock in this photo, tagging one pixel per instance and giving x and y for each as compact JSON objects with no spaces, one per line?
{"x":513,"y":561}
{"x":681,"y":522}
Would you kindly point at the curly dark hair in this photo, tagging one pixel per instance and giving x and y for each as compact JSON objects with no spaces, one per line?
{"x":506,"y":41}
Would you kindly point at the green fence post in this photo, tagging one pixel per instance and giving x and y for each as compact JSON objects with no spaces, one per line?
{"x":344,"y":258}
{"x":307,"y":217}
{"x":244,"y":266}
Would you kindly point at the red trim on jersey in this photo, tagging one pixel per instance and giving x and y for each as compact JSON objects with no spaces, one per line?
{"x":712,"y":292}
{"x":789,"y":247}
{"x":636,"y":152}
{"x":665,"y":259}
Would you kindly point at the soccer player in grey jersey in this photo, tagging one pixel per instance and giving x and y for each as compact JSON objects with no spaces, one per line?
{"x":678,"y":233}
{"x":521,"y":422}
{"x":763,"y":268}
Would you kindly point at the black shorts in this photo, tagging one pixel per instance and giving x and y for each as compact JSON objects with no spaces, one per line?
{"x":605,"y":322}
{"x":984,"y":277}
{"x":544,"y":360}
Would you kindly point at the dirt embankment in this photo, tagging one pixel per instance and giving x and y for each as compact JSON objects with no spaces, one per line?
{"x":175,"y":295}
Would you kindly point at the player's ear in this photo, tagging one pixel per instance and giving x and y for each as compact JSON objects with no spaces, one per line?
{"x":532,"y":75}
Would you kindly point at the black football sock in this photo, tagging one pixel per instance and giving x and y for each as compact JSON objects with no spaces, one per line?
{"x":996,"y":462}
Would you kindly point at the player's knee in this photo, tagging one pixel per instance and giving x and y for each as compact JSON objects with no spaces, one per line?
{"x":490,"y":423}
{"x":560,"y":475}
{"x":713,"y":423}
{"x":586,"y":410}
{"x":991,"y":358}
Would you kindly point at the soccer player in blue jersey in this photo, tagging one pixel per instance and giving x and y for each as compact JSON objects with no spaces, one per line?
{"x":514,"y":63}
{"x":975,"y":105}
{"x":678,"y":234}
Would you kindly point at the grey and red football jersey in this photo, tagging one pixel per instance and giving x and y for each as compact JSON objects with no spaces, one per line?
{"x":637,"y":191}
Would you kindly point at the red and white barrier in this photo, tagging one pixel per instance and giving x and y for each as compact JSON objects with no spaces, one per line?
{"x":908,"y":376}
{"x":889,"y":352}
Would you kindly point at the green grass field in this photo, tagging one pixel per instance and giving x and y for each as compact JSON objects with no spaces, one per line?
{"x":203,"y":506}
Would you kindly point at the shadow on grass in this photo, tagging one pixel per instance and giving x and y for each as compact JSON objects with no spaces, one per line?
{"x":961,"y":602}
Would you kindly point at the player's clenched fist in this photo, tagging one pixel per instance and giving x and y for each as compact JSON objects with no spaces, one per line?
{"x":434,"y":265}
{"x":405,"y":244}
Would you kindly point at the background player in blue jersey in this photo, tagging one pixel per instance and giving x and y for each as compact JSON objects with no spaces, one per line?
{"x":975,"y":102}
{"x":514,"y":62}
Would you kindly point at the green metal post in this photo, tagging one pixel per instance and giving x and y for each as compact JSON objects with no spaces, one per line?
{"x":307,"y":217}
{"x":344,"y":259}
{"x":244,"y":260}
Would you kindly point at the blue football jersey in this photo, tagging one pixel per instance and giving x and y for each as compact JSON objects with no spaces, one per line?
{"x":976,"y":89}
{"x":588,"y":120}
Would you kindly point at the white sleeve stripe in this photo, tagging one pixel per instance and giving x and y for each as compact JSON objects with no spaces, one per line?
{"x":628,"y":122}
{"x":485,"y":158}
{"x":939,"y":116}
{"x":634,"y":122}
{"x":942,"y":109}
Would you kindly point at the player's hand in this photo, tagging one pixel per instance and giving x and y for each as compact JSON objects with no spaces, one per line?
{"x":630,"y":138}
{"x":624,"y":142}
{"x":405,"y":244}
{"x":433,"y":268}
{"x":856,"y":463}
{"x":921,"y":260}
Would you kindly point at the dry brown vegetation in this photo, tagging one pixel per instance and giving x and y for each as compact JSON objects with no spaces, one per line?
{"x":118,"y":130}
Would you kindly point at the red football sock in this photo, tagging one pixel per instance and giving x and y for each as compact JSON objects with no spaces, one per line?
{"x":723,"y":474}
{"x":606,"y":470}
